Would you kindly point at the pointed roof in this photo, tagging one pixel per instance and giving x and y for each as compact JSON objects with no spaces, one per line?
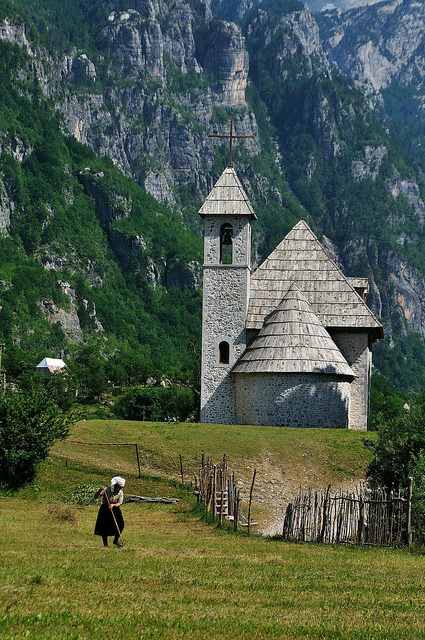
{"x":227,"y":197}
{"x":293,"y":340}
{"x":301,"y":259}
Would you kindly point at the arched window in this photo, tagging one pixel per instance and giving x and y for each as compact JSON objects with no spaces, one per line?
{"x":223,"y":352}
{"x":226,"y":244}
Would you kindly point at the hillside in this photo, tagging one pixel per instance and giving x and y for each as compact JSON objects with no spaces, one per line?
{"x":179,"y":577}
{"x":284,"y":458}
{"x":143,"y":86}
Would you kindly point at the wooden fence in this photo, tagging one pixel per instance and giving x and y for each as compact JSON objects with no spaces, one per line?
{"x":217,"y":490}
{"x":363,"y":516}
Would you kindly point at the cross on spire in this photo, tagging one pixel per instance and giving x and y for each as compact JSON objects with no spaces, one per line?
{"x":231,"y":136}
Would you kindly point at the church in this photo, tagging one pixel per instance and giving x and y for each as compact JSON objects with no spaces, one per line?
{"x":289,"y":344}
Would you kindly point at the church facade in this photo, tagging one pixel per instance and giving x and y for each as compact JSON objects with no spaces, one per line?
{"x":287,"y":345}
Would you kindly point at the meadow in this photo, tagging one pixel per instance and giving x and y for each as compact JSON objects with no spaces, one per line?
{"x":179,"y":577}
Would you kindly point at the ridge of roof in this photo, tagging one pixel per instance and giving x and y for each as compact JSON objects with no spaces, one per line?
{"x":301,"y":258}
{"x":227,"y":197}
{"x":293,"y":340}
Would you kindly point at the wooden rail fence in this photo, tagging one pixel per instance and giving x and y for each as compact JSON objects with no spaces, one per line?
{"x":363,"y":517}
{"x":217,"y":490}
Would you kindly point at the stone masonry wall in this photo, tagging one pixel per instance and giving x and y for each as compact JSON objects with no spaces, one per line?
{"x":292,"y":400}
{"x":224,"y":316}
{"x":355,"y":349}
{"x":225,"y":302}
{"x":241,"y":239}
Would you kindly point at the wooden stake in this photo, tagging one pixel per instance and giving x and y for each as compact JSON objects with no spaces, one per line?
{"x":409,"y":512}
{"x":250,"y":500}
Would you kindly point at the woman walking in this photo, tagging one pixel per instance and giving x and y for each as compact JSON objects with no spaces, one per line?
{"x":109,"y":518}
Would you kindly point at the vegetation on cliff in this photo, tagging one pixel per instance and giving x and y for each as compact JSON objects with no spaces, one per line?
{"x":134,"y":270}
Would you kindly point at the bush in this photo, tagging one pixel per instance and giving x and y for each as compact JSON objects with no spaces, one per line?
{"x":399,"y":453}
{"x":84,"y":494}
{"x":157,"y":403}
{"x":30,"y":422}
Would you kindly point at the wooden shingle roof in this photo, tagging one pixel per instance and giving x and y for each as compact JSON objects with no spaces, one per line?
{"x":227,"y":197}
{"x":301,"y":259}
{"x":293,"y":340}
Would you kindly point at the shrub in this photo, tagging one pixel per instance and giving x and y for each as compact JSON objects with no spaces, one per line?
{"x":157,"y":403}
{"x":30,"y":421}
{"x":399,"y":453}
{"x":84,"y":494}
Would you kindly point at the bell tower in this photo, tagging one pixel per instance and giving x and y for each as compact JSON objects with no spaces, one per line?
{"x":227,"y":215}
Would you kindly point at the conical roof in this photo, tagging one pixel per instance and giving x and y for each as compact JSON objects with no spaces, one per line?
{"x":293,"y":340}
{"x":227,"y":197}
{"x":300,"y":258}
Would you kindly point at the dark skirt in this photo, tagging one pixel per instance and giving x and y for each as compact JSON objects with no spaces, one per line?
{"x":105,"y":525}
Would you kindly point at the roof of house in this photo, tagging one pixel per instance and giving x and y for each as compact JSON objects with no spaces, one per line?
{"x":301,"y":259}
{"x":227,"y":197}
{"x":52,"y":364}
{"x":293,"y":340}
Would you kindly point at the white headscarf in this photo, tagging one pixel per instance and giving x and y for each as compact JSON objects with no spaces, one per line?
{"x":117,"y":480}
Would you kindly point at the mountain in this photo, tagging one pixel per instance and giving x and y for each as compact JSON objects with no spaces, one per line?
{"x":137,"y":88}
{"x":381,"y":47}
{"x":329,"y":5}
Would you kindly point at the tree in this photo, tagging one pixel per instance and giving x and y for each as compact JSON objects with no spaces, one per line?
{"x":399,"y":453}
{"x":87,"y":369}
{"x":30,"y":421}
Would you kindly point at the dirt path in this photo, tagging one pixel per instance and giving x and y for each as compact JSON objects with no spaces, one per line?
{"x":275,"y":487}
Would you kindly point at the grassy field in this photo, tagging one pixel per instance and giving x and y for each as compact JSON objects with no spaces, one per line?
{"x":178,"y":577}
{"x":284,"y":458}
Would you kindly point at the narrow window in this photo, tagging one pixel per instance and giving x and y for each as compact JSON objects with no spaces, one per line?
{"x":226,"y":244}
{"x":223,"y":352}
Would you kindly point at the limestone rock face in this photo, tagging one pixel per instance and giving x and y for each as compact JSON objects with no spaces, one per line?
{"x":170,"y":73}
{"x":379,"y":44}
{"x":7,"y":207}
{"x":14,"y":32}
{"x":159,"y":48}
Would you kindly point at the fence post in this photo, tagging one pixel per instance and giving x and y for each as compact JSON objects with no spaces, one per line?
{"x":325,"y":506}
{"x":138,"y":459}
{"x":409,"y":512}
{"x":181,"y":467}
{"x":360,"y":529}
{"x":236,"y":510}
{"x":250,"y":500}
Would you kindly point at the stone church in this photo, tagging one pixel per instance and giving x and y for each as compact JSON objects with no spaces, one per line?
{"x":287,"y":345}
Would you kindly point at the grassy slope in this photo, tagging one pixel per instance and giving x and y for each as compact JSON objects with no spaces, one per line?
{"x":284,"y":458}
{"x":324,"y":455}
{"x":179,"y":578}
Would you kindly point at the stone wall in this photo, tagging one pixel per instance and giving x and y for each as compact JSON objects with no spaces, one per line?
{"x":355,"y":349}
{"x":292,"y":400}
{"x":225,"y":302}
{"x":224,"y":317}
{"x":241,"y":239}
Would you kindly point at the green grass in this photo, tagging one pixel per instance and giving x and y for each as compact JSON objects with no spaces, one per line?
{"x":182,"y":579}
{"x":179,"y":578}
{"x":330,"y":455}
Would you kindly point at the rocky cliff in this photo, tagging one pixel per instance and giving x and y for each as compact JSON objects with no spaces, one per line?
{"x":379,"y":44}
{"x":164,"y":75}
